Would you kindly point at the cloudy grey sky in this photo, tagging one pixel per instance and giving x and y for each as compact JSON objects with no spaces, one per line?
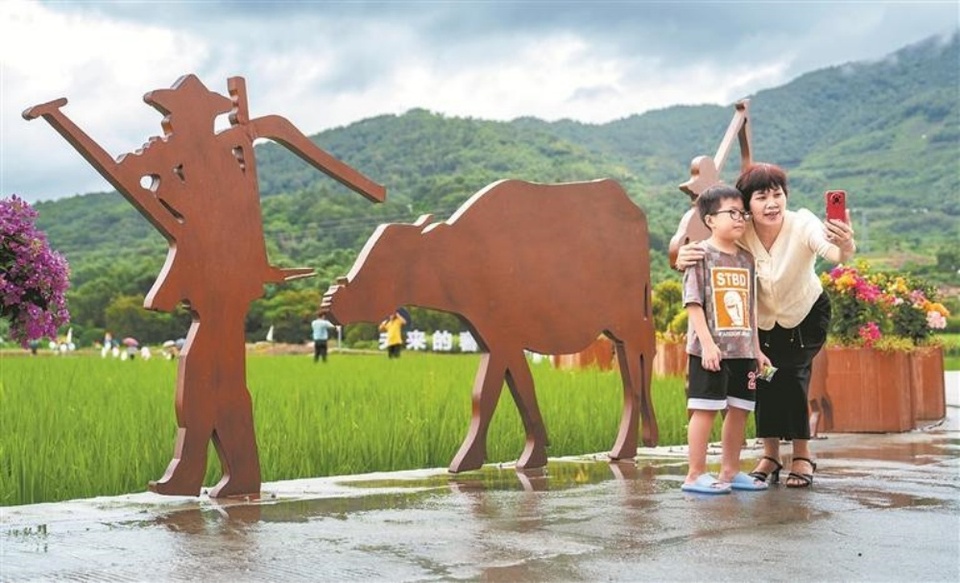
{"x":329,"y":64}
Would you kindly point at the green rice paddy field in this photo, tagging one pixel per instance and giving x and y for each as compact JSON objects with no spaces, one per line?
{"x":951,"y":351}
{"x":79,"y":426}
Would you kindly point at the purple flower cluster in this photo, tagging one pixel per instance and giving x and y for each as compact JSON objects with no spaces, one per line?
{"x":33,"y":279}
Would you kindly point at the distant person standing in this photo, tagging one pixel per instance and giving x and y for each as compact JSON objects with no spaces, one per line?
{"x":321,"y":334}
{"x":107,"y":344}
{"x":393,"y":326}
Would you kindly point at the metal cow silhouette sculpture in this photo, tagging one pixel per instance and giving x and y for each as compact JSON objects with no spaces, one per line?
{"x":527,"y":266}
{"x":198,"y":187}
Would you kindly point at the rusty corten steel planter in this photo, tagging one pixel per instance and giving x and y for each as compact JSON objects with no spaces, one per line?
{"x":671,"y":360}
{"x":600,"y":354}
{"x":866,"y":391}
{"x":928,"y":383}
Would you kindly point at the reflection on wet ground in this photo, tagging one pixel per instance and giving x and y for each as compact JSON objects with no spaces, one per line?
{"x":879,"y":503}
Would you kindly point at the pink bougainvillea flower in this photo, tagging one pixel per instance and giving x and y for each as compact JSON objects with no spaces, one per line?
{"x":33,"y":278}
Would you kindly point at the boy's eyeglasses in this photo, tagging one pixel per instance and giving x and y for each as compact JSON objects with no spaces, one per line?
{"x":735,"y":214}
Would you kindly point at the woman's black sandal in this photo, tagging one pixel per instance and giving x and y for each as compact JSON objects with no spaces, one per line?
{"x":774,"y":474}
{"x":805,"y":480}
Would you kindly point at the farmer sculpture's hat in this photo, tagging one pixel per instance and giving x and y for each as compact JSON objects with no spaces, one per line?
{"x":188,"y":91}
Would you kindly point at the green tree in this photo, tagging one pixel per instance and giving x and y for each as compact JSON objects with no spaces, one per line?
{"x":290,"y":313}
{"x":667,"y":303}
{"x":126,"y":316}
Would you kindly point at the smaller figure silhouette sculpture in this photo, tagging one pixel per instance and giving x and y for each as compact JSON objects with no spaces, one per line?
{"x":198,"y":187}
{"x":705,"y":172}
{"x":540,"y":267}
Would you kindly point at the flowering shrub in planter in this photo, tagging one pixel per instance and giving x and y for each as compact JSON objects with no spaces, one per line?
{"x":881,"y":310}
{"x":883,"y":367}
{"x":913,"y":312}
{"x":33,"y":279}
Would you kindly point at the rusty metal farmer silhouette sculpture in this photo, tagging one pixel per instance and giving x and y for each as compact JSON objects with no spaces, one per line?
{"x":199,"y":189}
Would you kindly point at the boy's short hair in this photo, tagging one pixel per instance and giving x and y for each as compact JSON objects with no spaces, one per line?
{"x":709,"y":201}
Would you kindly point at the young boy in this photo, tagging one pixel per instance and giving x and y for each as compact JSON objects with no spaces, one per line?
{"x":719,"y":295}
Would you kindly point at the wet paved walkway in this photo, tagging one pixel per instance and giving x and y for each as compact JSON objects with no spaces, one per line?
{"x":883,"y":508}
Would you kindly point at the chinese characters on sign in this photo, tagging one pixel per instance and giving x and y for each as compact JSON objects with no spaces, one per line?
{"x":441,"y":341}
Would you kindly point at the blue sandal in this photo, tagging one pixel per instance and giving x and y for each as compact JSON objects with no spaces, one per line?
{"x":744,"y":481}
{"x":706,"y":484}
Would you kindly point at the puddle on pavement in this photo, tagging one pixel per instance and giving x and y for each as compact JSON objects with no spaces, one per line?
{"x":510,"y":498}
{"x":556,"y":474}
{"x":496,"y":523}
{"x":399,"y":494}
{"x":35,"y":537}
{"x":921,"y":471}
{"x":907,"y":451}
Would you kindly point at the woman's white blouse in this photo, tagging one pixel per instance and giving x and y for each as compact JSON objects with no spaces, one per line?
{"x":787,"y":284}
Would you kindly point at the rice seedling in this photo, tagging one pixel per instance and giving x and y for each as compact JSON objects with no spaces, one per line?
{"x":81,"y":426}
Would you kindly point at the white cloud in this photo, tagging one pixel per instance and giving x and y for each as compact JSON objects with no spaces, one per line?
{"x":103,"y":67}
{"x":329,"y":64}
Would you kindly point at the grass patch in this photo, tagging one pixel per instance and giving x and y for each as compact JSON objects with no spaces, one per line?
{"x":81,"y":426}
{"x":951,"y":350}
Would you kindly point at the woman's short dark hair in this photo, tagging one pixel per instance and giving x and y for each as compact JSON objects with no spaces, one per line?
{"x":709,"y":201}
{"x":759,"y":177}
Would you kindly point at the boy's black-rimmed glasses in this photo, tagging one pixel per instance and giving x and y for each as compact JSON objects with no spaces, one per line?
{"x":735,"y":214}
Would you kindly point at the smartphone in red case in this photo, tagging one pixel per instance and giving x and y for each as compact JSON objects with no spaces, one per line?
{"x":836,"y":204}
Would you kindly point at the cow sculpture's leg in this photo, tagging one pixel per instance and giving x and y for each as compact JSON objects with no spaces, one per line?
{"x":520,"y":382}
{"x":486,"y":393}
{"x":630,"y":372}
{"x":650,"y":432}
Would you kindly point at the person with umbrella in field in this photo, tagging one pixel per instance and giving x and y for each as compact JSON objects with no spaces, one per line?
{"x":132,"y":345}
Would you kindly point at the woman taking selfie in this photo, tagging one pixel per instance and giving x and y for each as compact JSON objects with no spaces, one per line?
{"x":793,"y":311}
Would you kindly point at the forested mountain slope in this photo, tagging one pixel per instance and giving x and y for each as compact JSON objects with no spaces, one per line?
{"x":888,"y":132}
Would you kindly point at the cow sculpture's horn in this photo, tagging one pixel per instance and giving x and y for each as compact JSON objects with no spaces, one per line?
{"x":423,"y":220}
